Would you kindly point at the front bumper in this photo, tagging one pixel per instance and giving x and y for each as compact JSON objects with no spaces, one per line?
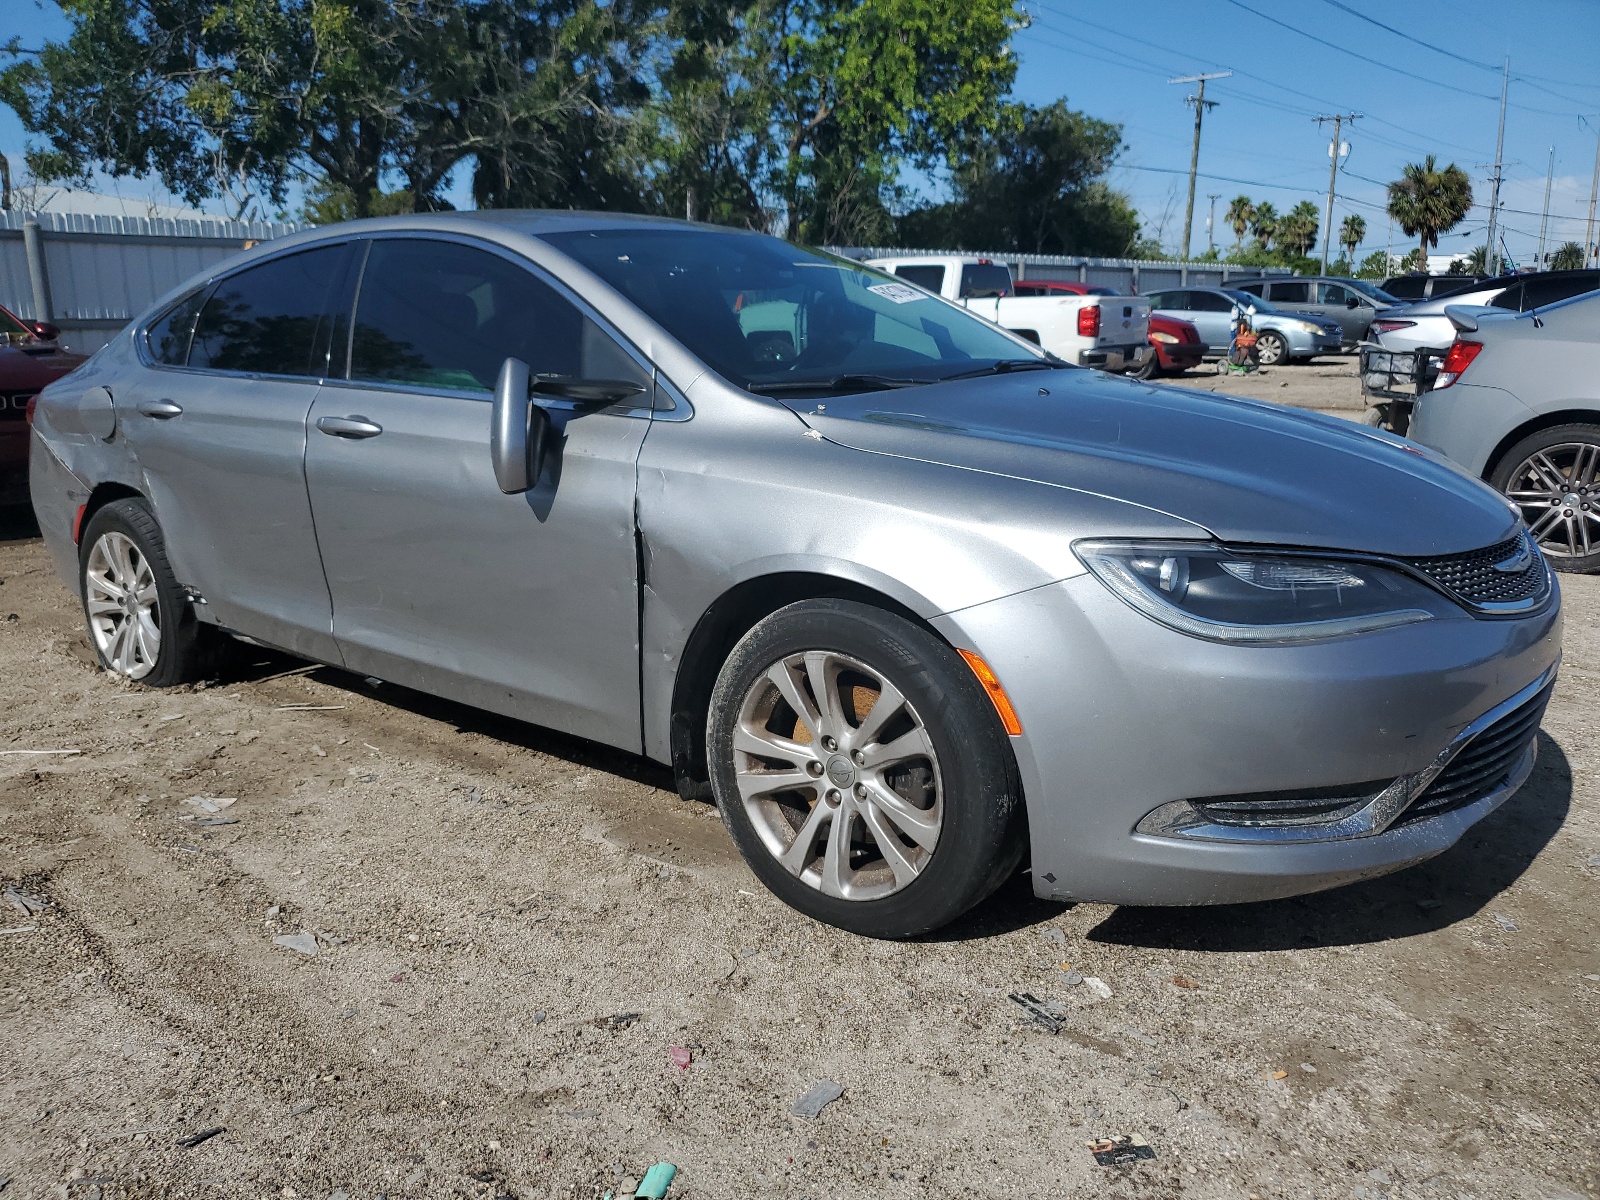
{"x":1116,"y":358}
{"x":1179,"y":356}
{"x":1122,"y":717}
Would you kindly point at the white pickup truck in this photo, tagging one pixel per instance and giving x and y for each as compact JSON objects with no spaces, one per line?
{"x":1109,"y":332}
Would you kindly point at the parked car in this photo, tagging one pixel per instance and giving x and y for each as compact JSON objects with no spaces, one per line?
{"x":1177,"y":347}
{"x":1100,"y":330}
{"x":1425,"y":325}
{"x":1060,"y":287}
{"x":1283,"y":337}
{"x":911,"y":600}
{"x":30,"y":357}
{"x":1517,"y":402}
{"x":1416,"y":286}
{"x":1351,"y":303}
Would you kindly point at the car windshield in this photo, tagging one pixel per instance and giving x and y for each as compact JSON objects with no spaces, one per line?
{"x":13,"y":330}
{"x":1372,"y":291}
{"x":1246,"y":299}
{"x":769,"y":316}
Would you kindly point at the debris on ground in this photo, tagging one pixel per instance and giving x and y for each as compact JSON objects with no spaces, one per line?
{"x":1308,"y":1068}
{"x":656,"y":1182}
{"x":1098,"y":986}
{"x":1183,"y":981}
{"x":822,"y":1093}
{"x":1277,"y":1075}
{"x":205,"y":1135}
{"x":1047,"y":1014}
{"x":318,"y":751}
{"x":19,"y":929}
{"x":304,"y":943}
{"x":1051,"y":934}
{"x":9,"y":752}
{"x":308,"y":707}
{"x":616,"y":1021}
{"x":26,"y":903}
{"x":681,"y":1056}
{"x":1120,"y":1151}
{"x":1505,"y":922}
{"x":211,"y":804}
{"x":300,"y":1110}
{"x":1071,"y":978}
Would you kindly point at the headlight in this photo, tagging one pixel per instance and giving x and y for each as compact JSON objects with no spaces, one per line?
{"x":1258,"y":599}
{"x":1308,"y":327}
{"x":1168,"y":338}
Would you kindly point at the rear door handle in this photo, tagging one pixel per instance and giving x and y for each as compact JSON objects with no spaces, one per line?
{"x":160,"y":409}
{"x":355,"y":426}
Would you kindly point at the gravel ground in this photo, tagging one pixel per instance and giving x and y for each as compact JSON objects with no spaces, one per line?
{"x":513,"y":929}
{"x":1330,"y":384}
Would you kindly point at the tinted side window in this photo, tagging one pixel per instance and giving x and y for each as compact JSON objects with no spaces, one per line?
{"x":441,"y":315}
{"x":1538,"y":292}
{"x":273,"y":319}
{"x":1255,"y":289}
{"x":931,"y":278}
{"x":985,"y":280}
{"x":1333,"y":293}
{"x":1209,"y":302}
{"x":1291,"y":293}
{"x":1510,"y":298}
{"x":168,"y":337}
{"x":1407,"y":287}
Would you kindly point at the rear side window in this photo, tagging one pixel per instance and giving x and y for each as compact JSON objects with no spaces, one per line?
{"x":168,"y":337}
{"x":1538,"y":292}
{"x":1291,"y":293}
{"x":1407,"y":287}
{"x":1510,"y":298}
{"x":442,"y":315}
{"x":1210,"y":302}
{"x":1255,"y":289}
{"x":1176,"y":301}
{"x":985,"y":280}
{"x":273,"y":319}
{"x":931,"y":278}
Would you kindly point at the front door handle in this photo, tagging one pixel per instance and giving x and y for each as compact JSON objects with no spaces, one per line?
{"x":354,"y":426}
{"x":162,"y":410}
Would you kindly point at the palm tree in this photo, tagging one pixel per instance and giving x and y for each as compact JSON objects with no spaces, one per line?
{"x":1569,"y":257}
{"x":1264,"y":223}
{"x":1351,"y":232}
{"x":1426,"y":201}
{"x":1297,"y":232}
{"x":1240,"y":213}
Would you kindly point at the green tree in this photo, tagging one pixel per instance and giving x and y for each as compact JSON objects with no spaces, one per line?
{"x":1241,"y":212}
{"x":1036,"y":187}
{"x":1264,"y":224}
{"x":1568,"y":257}
{"x":1427,"y":201}
{"x":1351,"y":231}
{"x":1297,"y":230}
{"x":1374,"y":266}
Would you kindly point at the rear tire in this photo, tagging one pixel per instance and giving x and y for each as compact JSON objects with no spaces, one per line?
{"x":1553,"y":476}
{"x":140,"y":623}
{"x":885,"y":823}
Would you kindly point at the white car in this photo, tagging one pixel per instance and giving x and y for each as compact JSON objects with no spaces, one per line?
{"x":1109,"y":332}
{"x":1424,"y":326}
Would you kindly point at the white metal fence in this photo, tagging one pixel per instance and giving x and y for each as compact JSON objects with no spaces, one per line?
{"x":1129,"y":275}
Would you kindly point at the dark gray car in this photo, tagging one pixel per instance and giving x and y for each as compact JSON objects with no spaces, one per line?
{"x":913,"y":601}
{"x":1351,"y":303}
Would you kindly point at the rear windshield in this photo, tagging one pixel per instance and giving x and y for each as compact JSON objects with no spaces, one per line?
{"x":763,"y":313}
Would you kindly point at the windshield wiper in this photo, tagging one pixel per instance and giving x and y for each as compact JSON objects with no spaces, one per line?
{"x":1007,"y":365}
{"x":836,"y":383}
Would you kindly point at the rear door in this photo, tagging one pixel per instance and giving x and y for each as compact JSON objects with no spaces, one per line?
{"x":527,"y":604}
{"x":219,"y":429}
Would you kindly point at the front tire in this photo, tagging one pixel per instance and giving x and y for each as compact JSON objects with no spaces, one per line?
{"x":862,"y":770}
{"x":1553,"y":476}
{"x":140,"y":622}
{"x":1271,"y":348}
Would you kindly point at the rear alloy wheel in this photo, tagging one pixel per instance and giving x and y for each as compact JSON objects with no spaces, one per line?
{"x":139,"y":619}
{"x":1271,"y":348}
{"x":862,"y":770}
{"x":1553,"y":476}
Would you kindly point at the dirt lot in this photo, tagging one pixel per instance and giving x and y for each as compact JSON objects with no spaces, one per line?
{"x":1329,"y":384}
{"x":491,"y":904}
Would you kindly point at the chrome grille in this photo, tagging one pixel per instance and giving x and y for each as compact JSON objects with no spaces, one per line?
{"x":1472,"y":576}
{"x":1483,"y":763}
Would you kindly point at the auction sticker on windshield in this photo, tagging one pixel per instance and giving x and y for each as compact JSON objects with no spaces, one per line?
{"x":900,"y":293}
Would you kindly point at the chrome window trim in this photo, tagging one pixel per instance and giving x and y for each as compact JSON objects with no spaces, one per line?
{"x":1180,"y":819}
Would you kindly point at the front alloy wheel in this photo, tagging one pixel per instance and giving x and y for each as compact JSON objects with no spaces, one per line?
{"x":862,"y":770}
{"x":1271,"y":348}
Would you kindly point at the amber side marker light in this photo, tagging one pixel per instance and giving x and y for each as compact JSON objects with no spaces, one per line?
{"x":77,"y":524}
{"x":997,"y":694}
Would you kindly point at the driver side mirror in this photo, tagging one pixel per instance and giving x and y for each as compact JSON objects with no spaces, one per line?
{"x":518,"y":430}
{"x":1352,"y":303}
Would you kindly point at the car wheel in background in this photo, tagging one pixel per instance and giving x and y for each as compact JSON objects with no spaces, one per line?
{"x":1271,"y":348}
{"x":1553,"y":476}
{"x":1149,"y":370}
{"x":862,"y":769}
{"x":140,"y":622}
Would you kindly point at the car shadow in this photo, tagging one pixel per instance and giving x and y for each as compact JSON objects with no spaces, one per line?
{"x":1441,"y":892}
{"x":17,"y":523}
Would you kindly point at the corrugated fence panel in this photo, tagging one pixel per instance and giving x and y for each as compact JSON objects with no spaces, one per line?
{"x":15,"y":291}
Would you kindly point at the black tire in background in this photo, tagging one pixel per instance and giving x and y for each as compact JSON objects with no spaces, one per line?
{"x":180,"y":657}
{"x":1559,"y":517}
{"x":981,"y":839}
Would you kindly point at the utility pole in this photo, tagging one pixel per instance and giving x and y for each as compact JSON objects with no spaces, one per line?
{"x":1544,"y":219}
{"x":1336,"y":150}
{"x":1591,"y":249}
{"x":1211,"y":223}
{"x":1492,"y":255}
{"x":1200,"y":105}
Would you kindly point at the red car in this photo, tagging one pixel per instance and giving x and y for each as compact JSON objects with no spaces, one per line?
{"x":30,"y":358}
{"x":1178,"y":346}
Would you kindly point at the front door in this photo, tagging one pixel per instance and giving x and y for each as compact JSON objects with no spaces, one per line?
{"x":528,"y":604}
{"x":1352,"y":311}
{"x":219,"y":429}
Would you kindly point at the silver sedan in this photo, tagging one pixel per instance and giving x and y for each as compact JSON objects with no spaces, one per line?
{"x":914,"y":602}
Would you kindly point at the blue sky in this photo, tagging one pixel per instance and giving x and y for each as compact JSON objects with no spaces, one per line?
{"x":1113,"y":62}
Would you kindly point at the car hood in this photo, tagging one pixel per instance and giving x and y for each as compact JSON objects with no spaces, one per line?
{"x":1245,"y":470}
